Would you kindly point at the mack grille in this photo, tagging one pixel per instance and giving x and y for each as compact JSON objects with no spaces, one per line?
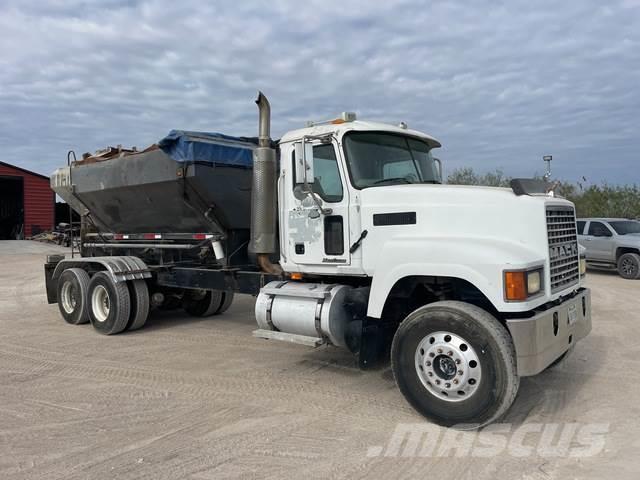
{"x":563,"y":247}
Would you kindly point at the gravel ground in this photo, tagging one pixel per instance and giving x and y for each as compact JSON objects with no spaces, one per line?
{"x":203,"y":399}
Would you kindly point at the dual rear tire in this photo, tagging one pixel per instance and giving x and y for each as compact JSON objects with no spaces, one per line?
{"x":204,"y":303}
{"x":113,"y":307}
{"x":73,"y":286}
{"x":109,"y":304}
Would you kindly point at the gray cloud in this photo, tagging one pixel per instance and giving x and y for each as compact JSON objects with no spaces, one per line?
{"x":500,"y":84}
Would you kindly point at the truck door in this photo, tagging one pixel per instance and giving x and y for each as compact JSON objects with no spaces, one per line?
{"x":316,"y":237}
{"x":599,"y":242}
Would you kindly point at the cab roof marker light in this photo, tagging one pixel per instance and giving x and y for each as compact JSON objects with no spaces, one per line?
{"x":343,"y":118}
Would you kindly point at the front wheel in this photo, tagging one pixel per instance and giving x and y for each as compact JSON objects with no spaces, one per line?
{"x":629,"y":266}
{"x":455,"y":364}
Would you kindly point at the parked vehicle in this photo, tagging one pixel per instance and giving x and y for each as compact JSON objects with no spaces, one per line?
{"x":612,"y":243}
{"x":347,"y":236}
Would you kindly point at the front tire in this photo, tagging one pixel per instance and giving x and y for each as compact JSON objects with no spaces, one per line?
{"x":629,"y":266}
{"x":455,"y":364}
{"x":109,"y":304}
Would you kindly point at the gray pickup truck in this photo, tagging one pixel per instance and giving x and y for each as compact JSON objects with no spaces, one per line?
{"x":612,"y":243}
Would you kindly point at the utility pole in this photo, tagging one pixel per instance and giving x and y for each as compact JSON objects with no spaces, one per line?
{"x":547,"y":159}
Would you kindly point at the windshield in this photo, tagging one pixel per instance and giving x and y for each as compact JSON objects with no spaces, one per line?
{"x":377,"y":159}
{"x":624,"y":227}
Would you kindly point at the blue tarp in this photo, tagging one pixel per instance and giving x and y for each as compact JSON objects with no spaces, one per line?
{"x":207,"y":147}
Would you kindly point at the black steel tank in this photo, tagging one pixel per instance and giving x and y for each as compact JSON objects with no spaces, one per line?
{"x":188,"y":186}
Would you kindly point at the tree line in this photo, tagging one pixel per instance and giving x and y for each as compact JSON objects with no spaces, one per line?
{"x":591,"y":200}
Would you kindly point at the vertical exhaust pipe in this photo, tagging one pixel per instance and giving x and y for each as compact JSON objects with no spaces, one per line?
{"x":264,"y":121}
{"x":263,"y":192}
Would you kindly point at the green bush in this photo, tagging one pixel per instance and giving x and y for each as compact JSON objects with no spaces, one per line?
{"x":602,"y":200}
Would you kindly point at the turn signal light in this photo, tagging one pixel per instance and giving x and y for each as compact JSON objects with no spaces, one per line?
{"x":296,"y":276}
{"x":515,"y":286}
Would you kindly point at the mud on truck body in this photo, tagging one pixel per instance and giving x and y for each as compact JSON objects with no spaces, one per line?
{"x":347,"y":236}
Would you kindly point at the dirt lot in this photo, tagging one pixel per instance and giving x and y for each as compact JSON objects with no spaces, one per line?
{"x":203,"y":399}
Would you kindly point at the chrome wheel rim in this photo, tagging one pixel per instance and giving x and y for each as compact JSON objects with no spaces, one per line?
{"x":448,"y":366}
{"x":100,"y":303}
{"x":68,"y":297}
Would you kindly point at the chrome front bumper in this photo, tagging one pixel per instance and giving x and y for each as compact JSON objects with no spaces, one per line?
{"x":541,"y":339}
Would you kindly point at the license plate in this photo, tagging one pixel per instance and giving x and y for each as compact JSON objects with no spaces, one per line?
{"x":573,"y":314}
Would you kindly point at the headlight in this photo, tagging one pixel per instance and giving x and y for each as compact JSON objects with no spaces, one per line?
{"x":583,"y":266}
{"x":534,"y":282}
{"x":519,"y":285}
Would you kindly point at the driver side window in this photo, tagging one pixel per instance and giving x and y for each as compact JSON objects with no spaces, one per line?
{"x":327,"y":183}
{"x":598,"y":229}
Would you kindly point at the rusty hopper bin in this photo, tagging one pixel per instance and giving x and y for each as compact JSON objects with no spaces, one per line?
{"x":194,"y":182}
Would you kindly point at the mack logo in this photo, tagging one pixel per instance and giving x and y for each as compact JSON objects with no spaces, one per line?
{"x":563,"y":251}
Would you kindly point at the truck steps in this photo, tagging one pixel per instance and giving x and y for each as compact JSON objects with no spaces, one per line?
{"x":289,"y":337}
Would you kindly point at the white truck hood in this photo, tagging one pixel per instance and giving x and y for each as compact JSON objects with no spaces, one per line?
{"x":464,"y":211}
{"x":474,"y":233}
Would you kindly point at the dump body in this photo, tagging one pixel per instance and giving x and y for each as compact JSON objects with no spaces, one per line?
{"x":192,"y":182}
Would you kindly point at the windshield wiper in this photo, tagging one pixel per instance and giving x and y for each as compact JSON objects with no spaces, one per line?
{"x":395,"y":179}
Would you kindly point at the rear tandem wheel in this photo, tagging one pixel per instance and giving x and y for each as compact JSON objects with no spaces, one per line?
{"x":109,"y":304}
{"x":204,"y":303}
{"x":72,"y":296}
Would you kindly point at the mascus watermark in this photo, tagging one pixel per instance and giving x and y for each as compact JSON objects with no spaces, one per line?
{"x":526,"y":440}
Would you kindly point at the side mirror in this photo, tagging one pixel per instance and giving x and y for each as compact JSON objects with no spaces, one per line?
{"x":304,"y":162}
{"x":439,"y":164}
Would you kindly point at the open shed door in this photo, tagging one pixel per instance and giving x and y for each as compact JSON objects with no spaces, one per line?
{"x":11,"y":207}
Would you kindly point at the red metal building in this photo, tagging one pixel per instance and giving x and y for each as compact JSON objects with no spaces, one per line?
{"x":27,"y":203}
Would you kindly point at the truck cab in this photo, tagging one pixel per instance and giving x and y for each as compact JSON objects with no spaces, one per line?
{"x":364,"y":200}
{"x":370,"y":202}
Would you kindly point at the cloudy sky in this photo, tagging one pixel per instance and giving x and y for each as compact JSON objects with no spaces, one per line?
{"x":499,"y":83}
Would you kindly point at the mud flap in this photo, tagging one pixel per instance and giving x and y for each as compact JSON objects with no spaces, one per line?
{"x":375,"y":343}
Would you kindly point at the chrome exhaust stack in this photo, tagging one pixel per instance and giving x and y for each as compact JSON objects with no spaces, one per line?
{"x":264,"y":121}
{"x":263,"y":192}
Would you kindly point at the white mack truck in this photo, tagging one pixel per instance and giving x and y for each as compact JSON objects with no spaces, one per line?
{"x":348,"y":237}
